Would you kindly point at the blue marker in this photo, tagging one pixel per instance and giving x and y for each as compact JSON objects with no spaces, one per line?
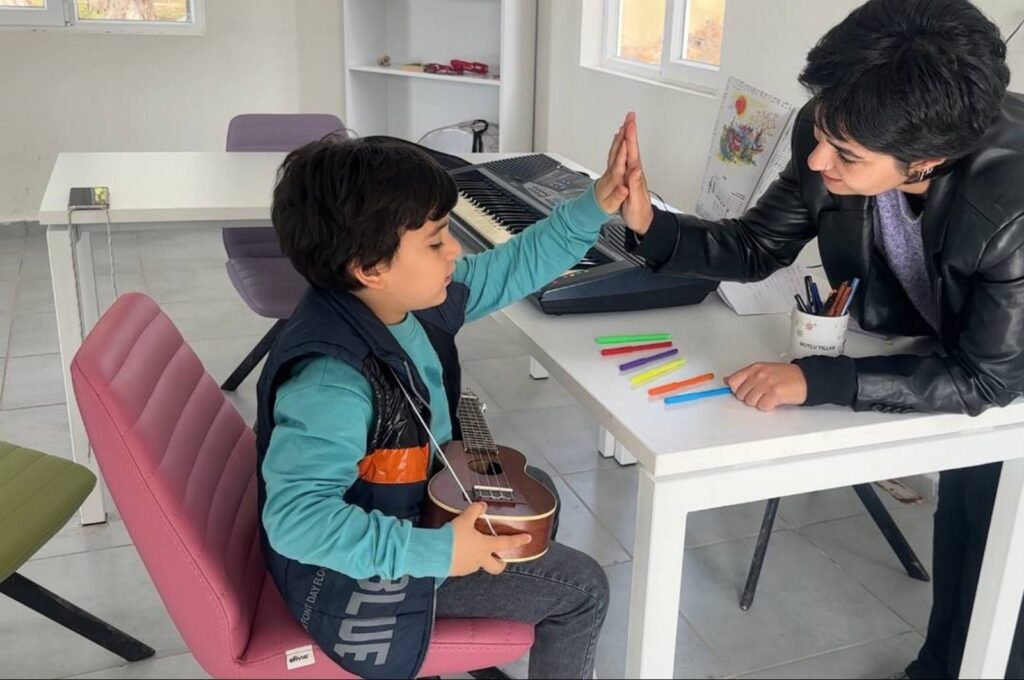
{"x":693,"y":396}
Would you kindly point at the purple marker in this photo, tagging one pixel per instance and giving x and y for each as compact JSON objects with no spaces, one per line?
{"x":646,"y":360}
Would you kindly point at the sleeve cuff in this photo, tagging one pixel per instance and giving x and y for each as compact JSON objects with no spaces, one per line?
{"x":585,"y":209}
{"x":659,"y":243}
{"x":429,"y":552}
{"x":830,"y":380}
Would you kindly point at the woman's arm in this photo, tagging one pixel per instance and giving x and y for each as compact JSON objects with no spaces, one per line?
{"x":767,"y":237}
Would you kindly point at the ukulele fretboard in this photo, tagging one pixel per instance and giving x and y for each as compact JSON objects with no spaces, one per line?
{"x":492,"y":484}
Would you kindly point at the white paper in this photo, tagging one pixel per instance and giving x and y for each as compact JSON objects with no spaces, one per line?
{"x":777,"y":162}
{"x":749,"y":148}
{"x":773,"y":295}
{"x":746,"y":134}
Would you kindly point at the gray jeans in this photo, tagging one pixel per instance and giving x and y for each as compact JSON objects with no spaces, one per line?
{"x":564,"y":594}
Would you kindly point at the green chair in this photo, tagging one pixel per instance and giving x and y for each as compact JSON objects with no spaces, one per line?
{"x":38,"y":494}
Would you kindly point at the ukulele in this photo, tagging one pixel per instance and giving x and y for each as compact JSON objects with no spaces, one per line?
{"x":516,"y":502}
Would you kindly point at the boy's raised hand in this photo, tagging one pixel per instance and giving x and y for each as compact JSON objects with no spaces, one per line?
{"x":474,"y":550}
{"x":637,"y":212}
{"x":610,"y":188}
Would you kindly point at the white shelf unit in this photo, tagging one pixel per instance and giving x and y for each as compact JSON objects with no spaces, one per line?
{"x":407,"y":104}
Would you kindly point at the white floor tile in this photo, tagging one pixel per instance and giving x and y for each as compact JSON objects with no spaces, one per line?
{"x":35,"y":296}
{"x":879,"y":659}
{"x":178,"y":666}
{"x":805,"y":603}
{"x":43,"y":428}
{"x":32,"y":381}
{"x":34,"y":334}
{"x":859,"y":548}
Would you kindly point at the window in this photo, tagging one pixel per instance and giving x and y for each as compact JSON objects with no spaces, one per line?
{"x":675,"y":40}
{"x":109,"y":16}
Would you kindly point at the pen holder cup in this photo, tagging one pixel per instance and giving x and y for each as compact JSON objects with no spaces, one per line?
{"x":816,"y":335}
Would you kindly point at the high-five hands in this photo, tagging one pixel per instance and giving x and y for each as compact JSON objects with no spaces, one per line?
{"x":636,"y":210}
{"x":622,"y":187}
{"x":610,"y":188}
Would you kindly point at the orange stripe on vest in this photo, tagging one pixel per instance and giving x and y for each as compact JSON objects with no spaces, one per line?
{"x":395,"y":466}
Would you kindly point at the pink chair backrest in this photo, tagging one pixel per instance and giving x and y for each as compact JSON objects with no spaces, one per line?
{"x":279,"y":131}
{"x":180,"y":464}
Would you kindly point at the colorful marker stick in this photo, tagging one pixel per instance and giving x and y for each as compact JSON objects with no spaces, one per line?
{"x":648,"y":376}
{"x":681,"y":385}
{"x":646,"y":360}
{"x":694,"y":396}
{"x":615,"y":339}
{"x":609,"y":351}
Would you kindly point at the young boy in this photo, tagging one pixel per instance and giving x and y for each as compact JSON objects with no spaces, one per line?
{"x":343,"y":458}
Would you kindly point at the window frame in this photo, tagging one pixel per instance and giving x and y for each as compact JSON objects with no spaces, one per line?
{"x":673,"y":69}
{"x":50,"y":14}
{"x":71,"y":23}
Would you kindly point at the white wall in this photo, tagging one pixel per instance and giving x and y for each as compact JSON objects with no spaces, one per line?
{"x":766,"y":41}
{"x":94,"y":92}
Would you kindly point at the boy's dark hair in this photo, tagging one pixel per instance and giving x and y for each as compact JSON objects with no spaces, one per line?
{"x":341,"y":201}
{"x":914,"y":79}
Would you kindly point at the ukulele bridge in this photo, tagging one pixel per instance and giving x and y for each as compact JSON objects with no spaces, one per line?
{"x":493,"y":494}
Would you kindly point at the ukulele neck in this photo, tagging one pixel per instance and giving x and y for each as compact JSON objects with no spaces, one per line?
{"x":493,"y":486}
{"x":476,"y":438}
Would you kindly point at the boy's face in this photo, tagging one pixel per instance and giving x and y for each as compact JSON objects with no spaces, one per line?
{"x":418,"y":275}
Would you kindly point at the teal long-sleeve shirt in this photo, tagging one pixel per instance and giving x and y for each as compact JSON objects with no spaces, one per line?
{"x":324,"y":411}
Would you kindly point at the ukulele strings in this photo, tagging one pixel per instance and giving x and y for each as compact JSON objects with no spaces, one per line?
{"x":465,"y":420}
{"x":440,"y":453}
{"x":467,"y":415}
{"x":493,"y":454}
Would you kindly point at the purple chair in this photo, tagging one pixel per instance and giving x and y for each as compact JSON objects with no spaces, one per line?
{"x":258,"y":269}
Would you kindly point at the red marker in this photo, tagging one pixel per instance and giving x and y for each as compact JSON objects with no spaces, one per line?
{"x":634,"y":348}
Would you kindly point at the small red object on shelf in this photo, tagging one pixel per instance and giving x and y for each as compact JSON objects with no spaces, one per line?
{"x":443,"y":69}
{"x":471,"y":66}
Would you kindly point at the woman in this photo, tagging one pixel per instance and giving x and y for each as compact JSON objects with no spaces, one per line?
{"x":908,"y":166}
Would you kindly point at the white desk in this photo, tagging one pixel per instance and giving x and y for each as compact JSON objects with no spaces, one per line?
{"x":692,"y":456}
{"x":719,"y":452}
{"x":147,"y":190}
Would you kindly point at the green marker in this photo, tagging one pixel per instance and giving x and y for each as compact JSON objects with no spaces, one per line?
{"x":650,"y":337}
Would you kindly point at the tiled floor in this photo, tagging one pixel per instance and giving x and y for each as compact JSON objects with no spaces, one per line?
{"x":832,"y":601}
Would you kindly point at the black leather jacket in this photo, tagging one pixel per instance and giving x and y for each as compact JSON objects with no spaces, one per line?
{"x":973,"y":232}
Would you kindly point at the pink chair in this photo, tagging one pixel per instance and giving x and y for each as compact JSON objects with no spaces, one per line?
{"x":181,"y":466}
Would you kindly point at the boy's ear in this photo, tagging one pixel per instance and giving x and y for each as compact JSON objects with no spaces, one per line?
{"x":370,"y":277}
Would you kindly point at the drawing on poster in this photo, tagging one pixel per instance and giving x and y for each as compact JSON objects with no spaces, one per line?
{"x":743,"y":138}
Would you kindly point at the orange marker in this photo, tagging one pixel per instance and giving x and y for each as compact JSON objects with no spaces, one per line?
{"x":682,"y":384}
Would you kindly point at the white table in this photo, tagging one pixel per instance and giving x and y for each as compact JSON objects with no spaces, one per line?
{"x":719,"y":452}
{"x":693,"y":456}
{"x":147,"y":190}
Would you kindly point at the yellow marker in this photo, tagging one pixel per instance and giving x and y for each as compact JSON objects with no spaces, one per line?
{"x":648,"y":376}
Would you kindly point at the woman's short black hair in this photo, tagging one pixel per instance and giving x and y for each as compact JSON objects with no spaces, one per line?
{"x":340,"y":202}
{"x":913,"y":79}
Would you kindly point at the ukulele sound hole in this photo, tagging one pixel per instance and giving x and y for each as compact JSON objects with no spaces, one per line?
{"x":485,"y":467}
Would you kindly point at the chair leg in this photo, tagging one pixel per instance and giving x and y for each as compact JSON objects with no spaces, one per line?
{"x":492,"y":673}
{"x":759,"y":552}
{"x":254,"y":357}
{"x":892,"y":533}
{"x":55,"y":608}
